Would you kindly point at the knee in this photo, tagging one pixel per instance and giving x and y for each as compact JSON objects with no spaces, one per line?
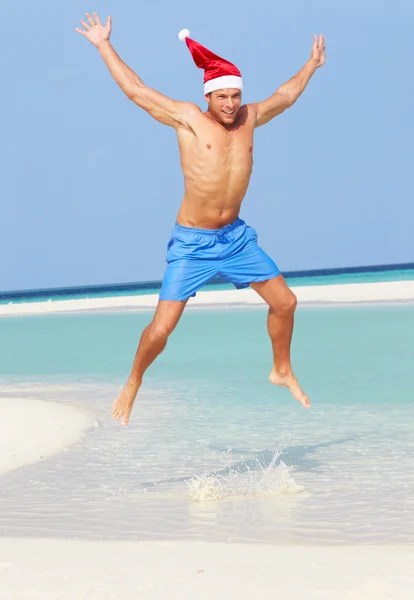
{"x":159,"y":331}
{"x":286,"y":305}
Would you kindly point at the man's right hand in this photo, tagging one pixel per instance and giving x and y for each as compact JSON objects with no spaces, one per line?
{"x":94,"y":31}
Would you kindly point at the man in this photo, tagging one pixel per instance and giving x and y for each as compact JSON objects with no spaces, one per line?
{"x":209,"y":238}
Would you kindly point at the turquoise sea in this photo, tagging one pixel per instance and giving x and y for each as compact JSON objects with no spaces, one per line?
{"x":404,"y":272}
{"x":214,"y":451}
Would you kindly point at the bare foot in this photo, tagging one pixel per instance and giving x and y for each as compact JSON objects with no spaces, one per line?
{"x":123,"y":404}
{"x":291,"y":383}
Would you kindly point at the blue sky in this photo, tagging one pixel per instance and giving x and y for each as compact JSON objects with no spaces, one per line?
{"x":90,"y":184}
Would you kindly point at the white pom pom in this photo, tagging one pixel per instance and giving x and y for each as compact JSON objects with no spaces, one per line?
{"x":184,"y":33}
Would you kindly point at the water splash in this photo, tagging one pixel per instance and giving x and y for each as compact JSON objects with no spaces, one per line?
{"x":244,"y":480}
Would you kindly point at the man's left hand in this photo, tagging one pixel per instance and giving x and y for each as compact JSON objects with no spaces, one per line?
{"x":318,"y":51}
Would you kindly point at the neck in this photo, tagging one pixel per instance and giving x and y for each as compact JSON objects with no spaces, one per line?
{"x":211,"y":116}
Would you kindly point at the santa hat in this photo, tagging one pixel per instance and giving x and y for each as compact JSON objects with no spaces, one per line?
{"x":218,"y":72}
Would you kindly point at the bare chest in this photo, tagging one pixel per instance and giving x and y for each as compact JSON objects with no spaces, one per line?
{"x":213,"y":145}
{"x":227,"y":146}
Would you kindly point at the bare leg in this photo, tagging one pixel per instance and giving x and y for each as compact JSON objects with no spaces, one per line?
{"x":282,"y":304}
{"x":152,"y":343}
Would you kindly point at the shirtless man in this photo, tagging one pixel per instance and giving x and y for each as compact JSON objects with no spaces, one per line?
{"x":209,"y":238}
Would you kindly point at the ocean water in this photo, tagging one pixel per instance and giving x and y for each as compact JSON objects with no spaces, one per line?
{"x":299,"y":279}
{"x":213,"y":450}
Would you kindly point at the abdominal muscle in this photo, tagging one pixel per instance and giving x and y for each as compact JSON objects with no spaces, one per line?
{"x":215,"y":185}
{"x":208,"y":211}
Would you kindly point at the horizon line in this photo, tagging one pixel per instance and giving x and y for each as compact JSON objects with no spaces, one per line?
{"x":216,"y":280}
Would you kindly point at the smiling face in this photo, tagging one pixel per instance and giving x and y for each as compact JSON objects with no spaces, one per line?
{"x":224,"y":105}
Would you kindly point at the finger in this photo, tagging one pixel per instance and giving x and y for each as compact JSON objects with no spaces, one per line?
{"x":109,"y":23}
{"x":80,"y":31}
{"x":91,"y":21}
{"x":85,"y":24}
{"x":95,"y":16}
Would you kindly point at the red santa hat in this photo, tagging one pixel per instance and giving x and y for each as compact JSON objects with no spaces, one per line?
{"x":218,"y":72}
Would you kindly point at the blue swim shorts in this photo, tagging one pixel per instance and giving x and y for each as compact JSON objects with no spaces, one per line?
{"x":194,"y":256}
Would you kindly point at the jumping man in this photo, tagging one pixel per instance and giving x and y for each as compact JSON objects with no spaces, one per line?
{"x":209,"y":238}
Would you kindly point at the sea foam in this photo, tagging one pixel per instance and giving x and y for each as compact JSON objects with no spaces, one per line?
{"x":244,"y":480}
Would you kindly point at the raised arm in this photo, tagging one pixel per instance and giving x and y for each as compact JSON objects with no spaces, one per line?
{"x":163,"y":109}
{"x":289,"y":92}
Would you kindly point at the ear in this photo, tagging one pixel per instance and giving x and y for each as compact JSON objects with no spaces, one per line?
{"x":207,"y":97}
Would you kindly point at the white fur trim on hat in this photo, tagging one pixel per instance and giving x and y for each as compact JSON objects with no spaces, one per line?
{"x":221,"y":83}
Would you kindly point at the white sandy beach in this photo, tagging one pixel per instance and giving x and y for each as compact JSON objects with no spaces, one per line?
{"x":390,"y":291}
{"x":32,"y":430}
{"x":45,"y":569}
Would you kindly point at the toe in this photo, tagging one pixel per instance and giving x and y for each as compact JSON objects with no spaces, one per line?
{"x":306,"y":402}
{"x":126,"y":414}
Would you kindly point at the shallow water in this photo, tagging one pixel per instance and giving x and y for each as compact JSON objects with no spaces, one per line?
{"x":213,"y":450}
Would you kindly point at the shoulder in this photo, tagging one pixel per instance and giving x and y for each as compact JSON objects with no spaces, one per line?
{"x":185,"y":114}
{"x":191,"y":113}
{"x":252,"y":109}
{"x":189,"y":108}
{"x":247,"y":116}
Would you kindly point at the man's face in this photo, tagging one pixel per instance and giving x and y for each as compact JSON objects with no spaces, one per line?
{"x":224,"y":105}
